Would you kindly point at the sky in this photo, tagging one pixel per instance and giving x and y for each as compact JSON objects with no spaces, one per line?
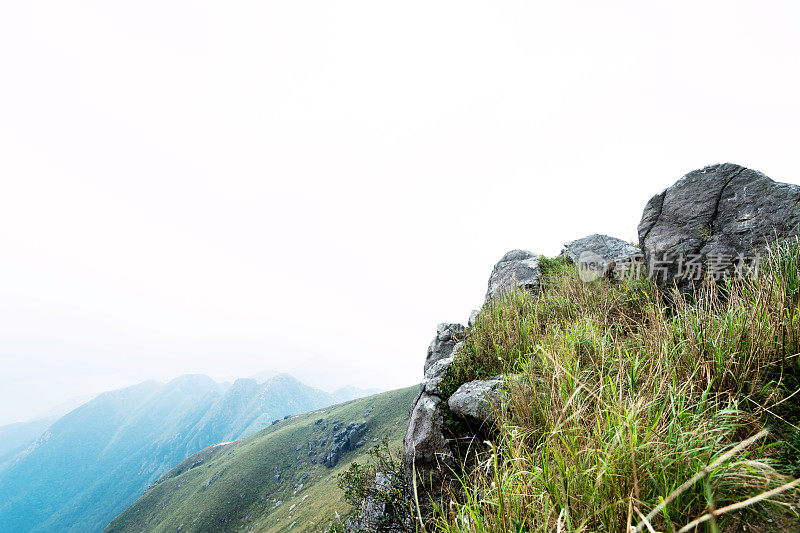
{"x":232,"y":187}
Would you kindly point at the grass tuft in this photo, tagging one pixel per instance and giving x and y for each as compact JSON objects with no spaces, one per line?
{"x":625,"y":406}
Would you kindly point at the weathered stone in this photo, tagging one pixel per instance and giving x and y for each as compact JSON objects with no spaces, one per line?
{"x":345,"y":440}
{"x":478,"y":401}
{"x":716,"y":212}
{"x":518,"y":268}
{"x":434,"y":378}
{"x":598,"y":255}
{"x":436,"y":372}
{"x":427,"y":456}
{"x":447,"y":335}
{"x":473,"y":316}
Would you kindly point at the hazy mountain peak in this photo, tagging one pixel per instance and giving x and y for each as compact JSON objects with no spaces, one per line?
{"x":93,"y":462}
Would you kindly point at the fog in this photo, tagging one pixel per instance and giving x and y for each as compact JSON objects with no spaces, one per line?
{"x":227,"y":188}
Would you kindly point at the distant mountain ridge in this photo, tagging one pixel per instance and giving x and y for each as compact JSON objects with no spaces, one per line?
{"x":89,"y":465}
{"x":14,"y":438}
{"x":275,"y":480}
{"x":17,"y":436}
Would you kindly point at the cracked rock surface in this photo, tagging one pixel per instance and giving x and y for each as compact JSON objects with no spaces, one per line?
{"x":427,"y":456}
{"x":718,"y":211}
{"x":435,"y":373}
{"x":441,"y":347}
{"x":518,"y":268}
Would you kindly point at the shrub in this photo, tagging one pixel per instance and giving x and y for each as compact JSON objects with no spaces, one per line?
{"x":378,"y":493}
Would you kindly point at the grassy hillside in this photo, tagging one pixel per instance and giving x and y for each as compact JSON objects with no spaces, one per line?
{"x":233,"y":487}
{"x":628,"y":410}
{"x":95,"y":461}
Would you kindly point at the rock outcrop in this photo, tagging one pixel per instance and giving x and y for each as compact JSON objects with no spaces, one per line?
{"x":473,"y":317}
{"x":447,"y":335}
{"x":478,"y":401}
{"x":345,"y":440}
{"x":719,"y":210}
{"x":427,"y":456}
{"x":598,"y":255}
{"x":711,"y":220}
{"x":436,"y":372}
{"x":518,"y":268}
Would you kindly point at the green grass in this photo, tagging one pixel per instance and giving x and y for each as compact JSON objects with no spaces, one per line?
{"x":242,"y":494}
{"x":621,"y":398}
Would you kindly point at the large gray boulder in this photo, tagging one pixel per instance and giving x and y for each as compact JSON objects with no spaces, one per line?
{"x":597,"y":255}
{"x":518,"y":268}
{"x":478,"y":401}
{"x":447,"y":335}
{"x":427,"y":456}
{"x":710,"y":217}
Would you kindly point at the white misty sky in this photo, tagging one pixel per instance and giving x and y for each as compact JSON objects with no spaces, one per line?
{"x":229,"y":187}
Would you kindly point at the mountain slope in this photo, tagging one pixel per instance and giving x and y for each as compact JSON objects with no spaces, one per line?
{"x":93,"y":462}
{"x":16,"y":437}
{"x":238,"y":486}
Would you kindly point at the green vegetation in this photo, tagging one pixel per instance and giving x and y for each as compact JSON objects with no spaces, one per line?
{"x":92,"y":463}
{"x":627,"y":411}
{"x":232,"y":487}
{"x":378,"y":492}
